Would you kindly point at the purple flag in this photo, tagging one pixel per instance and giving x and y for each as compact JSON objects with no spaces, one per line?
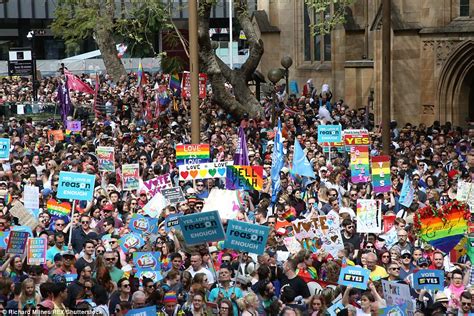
{"x":241,"y":156}
{"x":65,"y":104}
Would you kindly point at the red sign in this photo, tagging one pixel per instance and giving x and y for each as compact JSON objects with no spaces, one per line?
{"x":356,"y":137}
{"x":186,"y":85}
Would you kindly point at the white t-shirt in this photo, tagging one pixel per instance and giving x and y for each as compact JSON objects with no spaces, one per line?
{"x":210,"y":276}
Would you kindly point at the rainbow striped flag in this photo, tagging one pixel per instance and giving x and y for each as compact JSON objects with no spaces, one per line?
{"x":199,"y":152}
{"x":290,"y":215}
{"x":140,"y":75}
{"x":8,"y":199}
{"x":175,"y":84}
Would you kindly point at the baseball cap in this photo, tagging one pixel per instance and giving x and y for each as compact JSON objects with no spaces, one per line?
{"x":422,"y":261}
{"x":441,"y":297}
{"x":405,"y":252}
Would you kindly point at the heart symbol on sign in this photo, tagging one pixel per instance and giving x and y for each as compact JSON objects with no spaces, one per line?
{"x":221,"y":171}
{"x":212,"y":172}
{"x":334,"y":238}
{"x":184,"y":174}
{"x":193,"y":173}
{"x":203,"y":173}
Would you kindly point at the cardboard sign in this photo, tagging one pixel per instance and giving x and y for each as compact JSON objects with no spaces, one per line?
{"x":244,"y":178}
{"x":147,"y":260}
{"x":76,"y":186}
{"x":171,"y":221}
{"x":369,"y":216}
{"x":192,"y":154}
{"x":25,"y":217}
{"x":354,"y":276}
{"x":429,"y":280}
{"x":156,"y":204}
{"x":388,"y":222}
{"x":173,"y":195}
{"x":204,"y":170}
{"x":56,"y":135}
{"x":131,"y":176}
{"x":329,"y":133}
{"x":58,"y":210}
{"x":131,"y":240}
{"x":17,"y":242}
{"x":200,"y":228}
{"x":157,"y":184}
{"x":70,"y":277}
{"x":4,"y":239}
{"x":246,"y":237}
{"x":360,"y":169}
{"x":397,"y":294}
{"x":381,"y":174}
{"x":4,"y":148}
{"x":74,"y":126}
{"x":31,"y":197}
{"x":226,"y":202}
{"x":143,"y":225}
{"x":106,"y":158}
{"x":36,"y":251}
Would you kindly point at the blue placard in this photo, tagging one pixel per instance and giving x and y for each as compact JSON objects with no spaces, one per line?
{"x":335,"y":308}
{"x":329,"y":134}
{"x":246,"y":237}
{"x":145,"y":311}
{"x":131,"y":240}
{"x":76,"y":186}
{"x":70,"y":277}
{"x":429,"y":280}
{"x":354,"y":276}
{"x":155,"y":276}
{"x":398,"y":310}
{"x":146,"y":261}
{"x":4,"y":148}
{"x":141,"y":224}
{"x":201,"y":227}
{"x":171,"y":221}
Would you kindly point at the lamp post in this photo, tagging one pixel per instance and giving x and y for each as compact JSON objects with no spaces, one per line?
{"x":275,"y":75}
{"x":31,"y":37}
{"x":286,"y":62}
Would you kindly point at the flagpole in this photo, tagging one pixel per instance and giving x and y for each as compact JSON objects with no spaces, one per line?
{"x":96,"y":93}
{"x":194,"y":68}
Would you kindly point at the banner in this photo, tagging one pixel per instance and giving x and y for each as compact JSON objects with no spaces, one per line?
{"x":381,"y":174}
{"x":246,"y":237}
{"x":58,"y":210}
{"x":106,"y":158}
{"x":147,"y":260}
{"x":131,"y":240}
{"x":192,"y":154}
{"x":244,"y":178}
{"x":17,"y":242}
{"x":204,"y":170}
{"x":369,"y":216}
{"x":354,"y":276}
{"x":36,"y":251}
{"x":143,"y":225}
{"x":4,"y":148}
{"x":397,"y":294}
{"x":158,"y":183}
{"x":31,"y":198}
{"x":360,"y":171}
{"x":201,"y":228}
{"x":227,"y":202}
{"x":329,"y":133}
{"x":155,"y":205}
{"x":355,"y":137}
{"x":429,"y":280}
{"x":74,"y":126}
{"x":76,"y":186}
{"x":173,"y":195}
{"x":130,"y":176}
{"x":171,"y":221}
{"x":186,"y":85}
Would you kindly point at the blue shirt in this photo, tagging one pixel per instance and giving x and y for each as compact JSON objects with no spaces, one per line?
{"x":227,"y":294}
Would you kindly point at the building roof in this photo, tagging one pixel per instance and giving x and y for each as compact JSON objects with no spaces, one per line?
{"x":459,"y":25}
{"x":263,"y":23}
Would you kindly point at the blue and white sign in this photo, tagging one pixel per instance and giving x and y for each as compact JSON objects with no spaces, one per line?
{"x":147,"y":261}
{"x":428,"y":280}
{"x":329,"y":134}
{"x":131,"y":240}
{"x":143,"y":225}
{"x":76,"y":186}
{"x":4,"y":148}
{"x":201,"y":227}
{"x":246,"y":237}
{"x":70,"y":277}
{"x":354,"y":276}
{"x":145,"y":311}
{"x":335,"y":308}
{"x":171,"y":221}
{"x":396,"y":310}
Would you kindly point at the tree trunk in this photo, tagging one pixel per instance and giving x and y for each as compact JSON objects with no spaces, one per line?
{"x":243,"y":101}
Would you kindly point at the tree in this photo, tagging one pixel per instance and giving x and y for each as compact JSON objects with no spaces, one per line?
{"x":331,"y":19}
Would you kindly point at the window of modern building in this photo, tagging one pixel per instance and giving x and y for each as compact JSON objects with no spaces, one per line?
{"x":317,"y":48}
{"x":463,"y":7}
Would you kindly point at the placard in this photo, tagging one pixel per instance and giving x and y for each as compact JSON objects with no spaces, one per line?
{"x":158,"y":183}
{"x":143,"y":225}
{"x":381,"y":174}
{"x":201,"y":228}
{"x":244,"y":178}
{"x":246,"y":237}
{"x":369,"y":216}
{"x":31,"y":197}
{"x":335,"y":308}
{"x":171,"y":221}
{"x":144,"y":311}
{"x":204,"y":170}
{"x":354,"y":276}
{"x":227,"y":202}
{"x":356,"y":137}
{"x":58,"y":210}
{"x":397,"y":310}
{"x":155,"y":276}
{"x":74,"y":126}
{"x":131,"y":176}
{"x":388,"y":222}
{"x":36,"y":251}
{"x":192,"y":154}
{"x":155,"y":205}
{"x":25,"y":217}
{"x":329,"y":133}
{"x":76,"y":186}
{"x":4,"y":239}
{"x":17,"y":242}
{"x":4,"y":148}
{"x":131,"y":240}
{"x":428,"y":280}
{"x":147,"y":261}
{"x":70,"y":277}
{"x":360,"y":169}
{"x":397,"y":294}
{"x":186,"y":85}
{"x":106,"y":158}
{"x":173,"y":195}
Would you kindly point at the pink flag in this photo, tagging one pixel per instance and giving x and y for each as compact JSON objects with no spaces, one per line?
{"x":74,"y":83}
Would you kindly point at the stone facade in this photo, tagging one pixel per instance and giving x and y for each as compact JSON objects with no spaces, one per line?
{"x":432,"y":56}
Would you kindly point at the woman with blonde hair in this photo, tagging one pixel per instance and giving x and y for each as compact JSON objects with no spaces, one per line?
{"x":248,"y":304}
{"x":28,"y":296}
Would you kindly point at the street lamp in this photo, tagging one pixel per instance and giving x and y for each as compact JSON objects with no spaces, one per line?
{"x":31,"y":37}
{"x":275,"y":75}
{"x":286,"y":62}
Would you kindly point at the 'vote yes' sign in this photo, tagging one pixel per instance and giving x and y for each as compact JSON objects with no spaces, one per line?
{"x":428,"y":280}
{"x":354,"y":276}
{"x":246,"y":237}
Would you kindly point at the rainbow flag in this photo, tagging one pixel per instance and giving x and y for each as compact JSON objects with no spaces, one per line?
{"x":58,"y":210}
{"x":140,"y":75}
{"x":360,"y":168}
{"x":8,"y":199}
{"x":199,"y":153}
{"x":244,"y":178}
{"x":175,"y":84}
{"x":290,"y":215}
{"x":381,"y":174}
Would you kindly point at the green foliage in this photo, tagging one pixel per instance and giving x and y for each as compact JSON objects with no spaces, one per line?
{"x":172,"y":64}
{"x":329,"y":18}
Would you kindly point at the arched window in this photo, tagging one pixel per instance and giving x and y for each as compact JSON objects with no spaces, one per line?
{"x":317,"y":48}
{"x":463,"y":7}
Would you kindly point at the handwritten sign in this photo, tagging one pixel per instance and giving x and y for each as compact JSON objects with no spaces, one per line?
{"x":204,"y":170}
{"x":429,"y":280}
{"x":106,"y":158}
{"x":158,"y":183}
{"x":74,"y":126}
{"x":354,"y":276}
{"x":192,"y":154}
{"x":397,"y":294}
{"x":244,"y":178}
{"x":55,"y":135}
{"x":31,"y":197}
{"x":130,"y":176}
{"x":369,"y":216}
{"x":4,"y":148}
{"x":36,"y":251}
{"x":17,"y":242}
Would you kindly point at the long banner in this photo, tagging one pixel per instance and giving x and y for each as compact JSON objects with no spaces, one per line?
{"x":360,"y":171}
{"x":381,"y":174}
{"x":204,"y":170}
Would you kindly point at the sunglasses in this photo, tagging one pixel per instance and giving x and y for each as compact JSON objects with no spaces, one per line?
{"x":88,"y":287}
{"x":85,"y":222}
{"x":396,"y":269}
{"x":125,"y":285}
{"x":406,"y":257}
{"x":109,"y":259}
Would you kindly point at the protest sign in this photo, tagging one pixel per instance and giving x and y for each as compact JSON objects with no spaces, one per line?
{"x":397,"y":294}
{"x":292,"y":244}
{"x":157,"y":184}
{"x":356,"y":137}
{"x":155,"y":276}
{"x":398,"y":310}
{"x":381,"y":174}
{"x":130,"y":177}
{"x":388,"y":222}
{"x":335,"y":308}
{"x":144,"y":311}
{"x":31,"y":197}
{"x":186,"y":85}
{"x":4,"y":239}
{"x":25,"y":217}
{"x":25,"y":229}
{"x":171,"y":221}
{"x":76,"y":186}
{"x":428,"y":280}
{"x":147,"y":261}
{"x":390,"y":237}
{"x":70,"y":277}
{"x":201,"y":228}
{"x":192,"y":154}
{"x":359,"y":164}
{"x":354,"y":276}
{"x":131,"y":240}
{"x":36,"y":251}
{"x":143,"y":225}
{"x":369,"y":216}
{"x":329,"y":133}
{"x":58,"y":210}
{"x":464,"y":191}
{"x":408,"y":192}
{"x":173,"y":195}
{"x":55,"y":135}
{"x":322,"y":232}
{"x":17,"y":242}
{"x":204,"y":170}
{"x":74,"y":126}
{"x":246,"y":237}
{"x":155,"y":205}
{"x":106,"y":158}
{"x":4,"y":148}
{"x":244,"y":178}
{"x":226,"y":202}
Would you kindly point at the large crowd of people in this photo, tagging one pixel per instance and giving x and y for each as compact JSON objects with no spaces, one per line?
{"x":208,"y":279}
